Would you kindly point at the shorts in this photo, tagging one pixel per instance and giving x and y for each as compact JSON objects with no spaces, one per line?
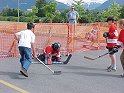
{"x":109,"y":50}
{"x":42,"y":58}
{"x":72,"y":22}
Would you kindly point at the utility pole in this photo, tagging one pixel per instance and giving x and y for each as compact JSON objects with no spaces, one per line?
{"x":18,"y":10}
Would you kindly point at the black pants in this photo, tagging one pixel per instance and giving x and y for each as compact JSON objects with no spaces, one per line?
{"x":42,"y":57}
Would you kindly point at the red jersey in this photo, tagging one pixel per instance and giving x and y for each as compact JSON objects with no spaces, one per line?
{"x":113,"y":35}
{"x":121,"y":38}
{"x":50,"y":50}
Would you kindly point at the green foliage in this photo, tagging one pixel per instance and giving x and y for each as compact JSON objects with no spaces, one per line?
{"x":50,"y":10}
{"x":113,"y":10}
{"x":58,"y":18}
{"x":11,"y":18}
{"x":85,"y":19}
{"x":32,"y":14}
{"x":40,"y":4}
{"x":25,"y":19}
{"x":79,"y":7}
{"x":46,"y":12}
{"x":63,"y":15}
{"x":8,"y":18}
{"x":10,"y":12}
{"x":122,"y":12}
{"x":2,"y":18}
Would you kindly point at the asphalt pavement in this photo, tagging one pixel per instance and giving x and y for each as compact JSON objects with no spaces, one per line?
{"x":80,"y":75}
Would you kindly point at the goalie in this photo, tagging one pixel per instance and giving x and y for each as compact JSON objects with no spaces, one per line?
{"x":51,"y":54}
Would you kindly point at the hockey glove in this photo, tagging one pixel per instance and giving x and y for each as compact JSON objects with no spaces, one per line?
{"x":115,"y":49}
{"x":106,"y":34}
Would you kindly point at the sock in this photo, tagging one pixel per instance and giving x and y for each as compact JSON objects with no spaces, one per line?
{"x":113,"y":65}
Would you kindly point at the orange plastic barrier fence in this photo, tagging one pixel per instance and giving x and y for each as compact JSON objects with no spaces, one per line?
{"x":8,"y":47}
{"x":47,"y":33}
{"x":72,"y":37}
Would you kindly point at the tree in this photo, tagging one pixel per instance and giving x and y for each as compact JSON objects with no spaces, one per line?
{"x":40,"y":4}
{"x":113,"y":10}
{"x":122,"y":12}
{"x":63,"y":15}
{"x":31,"y":14}
{"x":10,"y":12}
{"x":50,"y":10}
{"x":79,"y":7}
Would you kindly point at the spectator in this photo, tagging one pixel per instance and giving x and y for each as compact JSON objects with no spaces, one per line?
{"x":92,"y":36}
{"x":72,"y":16}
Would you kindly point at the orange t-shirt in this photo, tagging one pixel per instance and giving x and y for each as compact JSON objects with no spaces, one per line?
{"x":113,"y":35}
{"x":50,"y":50}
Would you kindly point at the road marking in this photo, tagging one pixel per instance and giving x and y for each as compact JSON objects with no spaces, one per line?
{"x":13,"y":86}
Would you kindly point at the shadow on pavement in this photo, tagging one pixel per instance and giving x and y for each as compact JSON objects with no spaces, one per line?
{"x":12,"y":75}
{"x":83,"y":68}
{"x":79,"y":70}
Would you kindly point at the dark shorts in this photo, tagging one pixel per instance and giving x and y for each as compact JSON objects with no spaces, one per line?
{"x":42,"y":58}
{"x":109,"y":50}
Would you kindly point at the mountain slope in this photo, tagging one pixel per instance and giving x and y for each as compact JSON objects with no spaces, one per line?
{"x":60,"y":5}
{"x":92,"y":5}
{"x":108,"y":3}
{"x":25,"y":4}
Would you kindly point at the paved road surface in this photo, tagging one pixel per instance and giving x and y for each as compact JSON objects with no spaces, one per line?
{"x":78,"y":76}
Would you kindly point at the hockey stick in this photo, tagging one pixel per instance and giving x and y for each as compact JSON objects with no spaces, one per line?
{"x":68,"y":59}
{"x":54,"y":72}
{"x":64,"y":62}
{"x":96,"y":57}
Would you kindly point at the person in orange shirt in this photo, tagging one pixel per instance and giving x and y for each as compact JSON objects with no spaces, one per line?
{"x":51,"y":54}
{"x":120,"y":43}
{"x":111,"y":40}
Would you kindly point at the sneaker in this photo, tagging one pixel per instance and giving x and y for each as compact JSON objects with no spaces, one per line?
{"x":114,"y":69}
{"x":56,"y":62}
{"x":122,"y":75}
{"x":23,"y":71}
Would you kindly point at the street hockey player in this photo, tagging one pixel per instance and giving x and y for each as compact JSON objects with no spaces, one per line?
{"x":51,"y":54}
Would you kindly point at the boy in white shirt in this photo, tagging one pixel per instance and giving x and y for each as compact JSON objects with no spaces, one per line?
{"x":26,"y":39}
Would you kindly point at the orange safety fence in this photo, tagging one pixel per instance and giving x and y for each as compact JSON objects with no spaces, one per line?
{"x":8,"y":46}
{"x":72,"y":37}
{"x":48,"y":33}
{"x":90,"y":36}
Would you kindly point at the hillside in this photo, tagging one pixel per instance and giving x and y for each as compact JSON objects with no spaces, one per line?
{"x":92,"y":5}
{"x":26,"y":4}
{"x":108,"y":3}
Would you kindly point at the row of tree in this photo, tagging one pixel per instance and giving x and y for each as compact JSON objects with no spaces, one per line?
{"x":44,"y":11}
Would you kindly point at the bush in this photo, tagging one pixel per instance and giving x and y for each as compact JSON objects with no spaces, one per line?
{"x":44,"y":19}
{"x":85,"y":19}
{"x":3,"y":18}
{"x":11,"y":18}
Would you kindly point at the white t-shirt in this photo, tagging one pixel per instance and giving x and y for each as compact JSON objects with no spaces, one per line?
{"x":26,"y":37}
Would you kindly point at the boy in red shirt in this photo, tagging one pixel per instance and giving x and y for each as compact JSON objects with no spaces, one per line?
{"x":120,"y":43}
{"x":51,"y":54}
{"x":111,"y":40}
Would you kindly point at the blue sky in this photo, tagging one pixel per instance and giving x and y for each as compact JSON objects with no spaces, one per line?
{"x":68,"y":1}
